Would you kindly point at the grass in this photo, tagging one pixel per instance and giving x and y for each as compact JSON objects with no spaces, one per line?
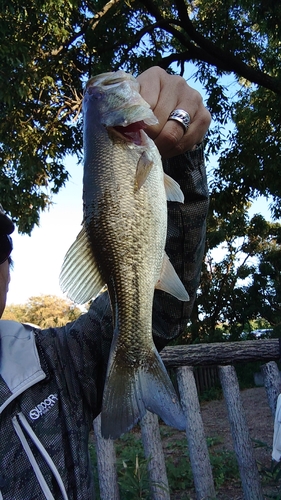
{"x":132,"y":466}
{"x":271,"y":476}
{"x":133,"y":476}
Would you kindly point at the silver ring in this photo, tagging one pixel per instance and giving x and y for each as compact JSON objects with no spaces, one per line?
{"x":181,"y":116}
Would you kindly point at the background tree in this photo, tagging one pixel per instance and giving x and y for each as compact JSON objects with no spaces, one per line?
{"x":50,"y":47}
{"x":241,"y":290}
{"x":45,"y":311}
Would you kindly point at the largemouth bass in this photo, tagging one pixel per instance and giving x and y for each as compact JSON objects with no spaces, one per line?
{"x":121,"y":244}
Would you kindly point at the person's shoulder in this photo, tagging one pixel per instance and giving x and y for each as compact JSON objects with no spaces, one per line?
{"x":11,"y":328}
{"x":20,"y":365}
{"x":15,"y":335}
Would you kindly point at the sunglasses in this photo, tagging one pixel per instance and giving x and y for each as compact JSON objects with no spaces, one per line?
{"x":6,"y":247}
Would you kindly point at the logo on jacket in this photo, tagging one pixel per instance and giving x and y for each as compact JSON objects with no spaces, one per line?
{"x":43,"y":407}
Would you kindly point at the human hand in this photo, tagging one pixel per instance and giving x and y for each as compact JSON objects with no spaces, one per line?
{"x":165,"y":93}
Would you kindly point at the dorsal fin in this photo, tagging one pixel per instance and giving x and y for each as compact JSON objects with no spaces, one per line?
{"x":80,"y":277}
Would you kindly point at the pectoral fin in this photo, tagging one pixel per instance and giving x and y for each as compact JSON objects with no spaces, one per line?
{"x":144,"y":166}
{"x":173,"y":190}
{"x":80,"y":277}
{"x":169,"y":281}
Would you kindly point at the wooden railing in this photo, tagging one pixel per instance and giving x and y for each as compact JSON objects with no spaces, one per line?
{"x":183,"y":359}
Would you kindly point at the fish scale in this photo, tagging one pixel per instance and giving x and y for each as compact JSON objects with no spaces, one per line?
{"x":123,"y":239}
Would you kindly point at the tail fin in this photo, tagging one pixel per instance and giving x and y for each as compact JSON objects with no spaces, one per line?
{"x":131,"y":390}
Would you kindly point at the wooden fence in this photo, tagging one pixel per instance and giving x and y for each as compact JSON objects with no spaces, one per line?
{"x":184,"y":359}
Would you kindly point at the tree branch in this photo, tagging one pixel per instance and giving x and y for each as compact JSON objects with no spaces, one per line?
{"x":238,"y":66}
{"x":92,"y":23}
{"x":209,"y":52}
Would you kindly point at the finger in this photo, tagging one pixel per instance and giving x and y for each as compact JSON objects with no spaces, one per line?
{"x":174,"y":139}
{"x":166,"y":93}
{"x":170,"y":138}
{"x":158,"y":88}
{"x":150,"y":86}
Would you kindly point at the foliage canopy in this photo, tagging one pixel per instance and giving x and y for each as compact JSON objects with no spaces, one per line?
{"x":44,"y":311}
{"x":48,"y":50}
{"x":50,"y":47}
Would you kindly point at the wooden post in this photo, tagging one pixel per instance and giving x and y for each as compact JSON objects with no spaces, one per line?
{"x":240,"y":434}
{"x":153,"y":451}
{"x":272,"y":384}
{"x":198,"y":451}
{"x":106,"y":459}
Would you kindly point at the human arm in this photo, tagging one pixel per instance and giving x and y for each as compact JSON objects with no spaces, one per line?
{"x":89,"y":339}
{"x":165,"y":93}
{"x":185,"y":243}
{"x":183,"y":160}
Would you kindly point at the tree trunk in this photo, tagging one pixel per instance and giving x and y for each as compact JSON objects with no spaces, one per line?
{"x":153,"y":451}
{"x":221,"y":353}
{"x":240,"y":435}
{"x":197,"y":444}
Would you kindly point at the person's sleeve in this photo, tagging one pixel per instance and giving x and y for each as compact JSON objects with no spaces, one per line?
{"x":77,"y":354}
{"x":185,"y":247}
{"x":81,"y":349}
{"x":185,"y":243}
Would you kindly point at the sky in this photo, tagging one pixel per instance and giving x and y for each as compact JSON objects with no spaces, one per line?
{"x":38,"y":258}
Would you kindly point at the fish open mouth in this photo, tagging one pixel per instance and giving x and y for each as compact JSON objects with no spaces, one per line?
{"x":132,"y":132}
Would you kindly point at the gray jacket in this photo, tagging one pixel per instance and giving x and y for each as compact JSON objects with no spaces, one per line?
{"x":52,"y":380}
